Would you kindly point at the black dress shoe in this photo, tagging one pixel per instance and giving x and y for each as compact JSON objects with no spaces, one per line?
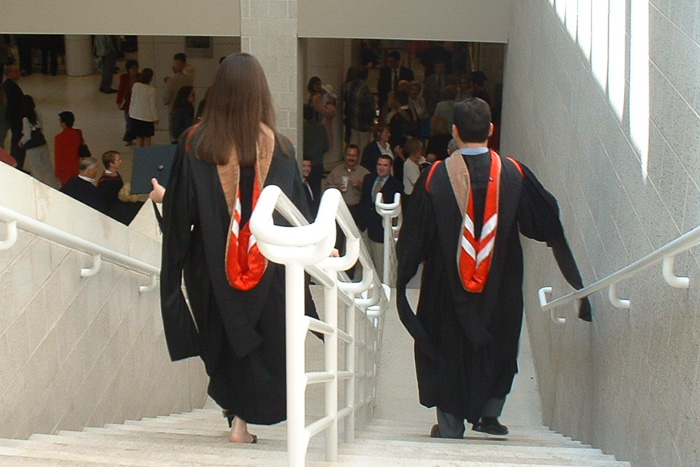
{"x":108,"y":91}
{"x":490,"y":426}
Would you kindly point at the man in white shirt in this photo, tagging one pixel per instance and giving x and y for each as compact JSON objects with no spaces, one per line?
{"x":348,"y":178}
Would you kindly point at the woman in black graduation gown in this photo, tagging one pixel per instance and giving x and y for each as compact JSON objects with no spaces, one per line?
{"x":237,"y":323}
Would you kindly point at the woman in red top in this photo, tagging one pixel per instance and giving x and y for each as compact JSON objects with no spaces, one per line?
{"x":66,"y":147}
{"x":126,"y":81}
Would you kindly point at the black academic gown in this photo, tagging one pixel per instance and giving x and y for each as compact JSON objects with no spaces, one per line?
{"x":240,"y":335}
{"x":85,"y":192}
{"x":466,"y":344}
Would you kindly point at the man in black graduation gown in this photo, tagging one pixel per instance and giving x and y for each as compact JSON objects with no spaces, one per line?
{"x":463,"y":223}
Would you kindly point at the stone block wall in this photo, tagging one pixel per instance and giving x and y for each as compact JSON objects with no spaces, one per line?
{"x":80,"y":351}
{"x":269,"y":32}
{"x":630,"y":381}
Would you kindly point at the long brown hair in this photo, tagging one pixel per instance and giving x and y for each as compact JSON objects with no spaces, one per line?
{"x":240,"y":100}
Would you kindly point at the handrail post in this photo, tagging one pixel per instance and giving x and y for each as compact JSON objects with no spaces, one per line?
{"x":363,"y":365}
{"x":296,"y":384}
{"x":331,"y":347}
{"x":388,"y":211}
{"x":308,"y":247}
{"x":350,"y":365}
{"x":388,"y":240}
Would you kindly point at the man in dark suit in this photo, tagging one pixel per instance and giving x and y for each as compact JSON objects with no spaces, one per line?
{"x":83,"y":186}
{"x":434,"y":86}
{"x":13,"y":113}
{"x":390,"y":75}
{"x":313,"y":200}
{"x":380,"y":182}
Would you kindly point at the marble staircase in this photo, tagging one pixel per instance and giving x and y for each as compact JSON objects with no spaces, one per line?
{"x":200,"y":437}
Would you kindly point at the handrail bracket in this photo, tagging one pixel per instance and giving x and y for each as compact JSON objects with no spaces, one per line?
{"x":150,"y":286}
{"x":10,"y":236}
{"x":670,"y":277}
{"x":616,"y":301}
{"x":96,"y":265}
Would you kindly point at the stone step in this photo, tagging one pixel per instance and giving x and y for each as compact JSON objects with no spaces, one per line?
{"x":175,"y":442}
{"x":137,"y":452}
{"x":518,"y":435}
{"x":18,"y":461}
{"x":458,"y":450}
{"x":200,"y":437}
{"x":420,"y":425}
{"x":388,"y":430}
{"x":379,"y":429}
{"x":379,"y":461}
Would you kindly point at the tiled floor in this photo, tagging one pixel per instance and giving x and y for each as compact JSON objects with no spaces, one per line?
{"x":96,"y":114}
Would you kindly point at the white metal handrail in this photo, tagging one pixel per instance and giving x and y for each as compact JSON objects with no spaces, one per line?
{"x":389,"y":211}
{"x":14,"y":220}
{"x":665,"y":255}
{"x":308,"y":247}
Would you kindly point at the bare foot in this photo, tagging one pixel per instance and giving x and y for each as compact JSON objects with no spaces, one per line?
{"x":239,"y":432}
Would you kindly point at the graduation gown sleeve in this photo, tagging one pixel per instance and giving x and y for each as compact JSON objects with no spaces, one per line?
{"x":538,"y":218}
{"x":418,"y":237}
{"x":180,"y":208}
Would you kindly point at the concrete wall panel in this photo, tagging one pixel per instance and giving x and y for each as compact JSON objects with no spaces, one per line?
{"x":154,"y":17}
{"x":451,"y":20}
{"x":627,"y":382}
{"x":81,"y":351}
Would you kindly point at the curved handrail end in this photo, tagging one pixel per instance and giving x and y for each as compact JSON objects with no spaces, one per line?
{"x":542,"y":294}
{"x":556,"y":319}
{"x":150,"y":286}
{"x":96,"y":265}
{"x":616,"y":301}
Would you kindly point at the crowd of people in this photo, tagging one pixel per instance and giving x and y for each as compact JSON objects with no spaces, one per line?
{"x":408,"y":123}
{"x":28,"y":149}
{"x":464,"y":205}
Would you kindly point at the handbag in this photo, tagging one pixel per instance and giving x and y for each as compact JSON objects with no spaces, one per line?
{"x":37,"y":139}
{"x":84,"y":151}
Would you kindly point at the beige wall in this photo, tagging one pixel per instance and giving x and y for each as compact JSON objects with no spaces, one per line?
{"x":463,"y":20}
{"x":451,"y":20}
{"x":80,"y":351}
{"x":153,"y":17}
